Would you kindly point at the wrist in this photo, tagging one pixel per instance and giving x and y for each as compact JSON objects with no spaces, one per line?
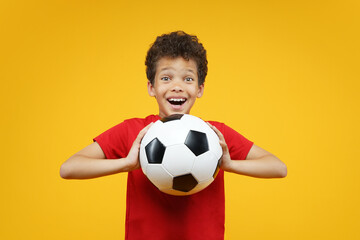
{"x":227,"y":165}
{"x":127,"y":165}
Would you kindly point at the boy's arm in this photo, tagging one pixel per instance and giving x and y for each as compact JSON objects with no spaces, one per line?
{"x":259,"y":162}
{"x":91,"y":162}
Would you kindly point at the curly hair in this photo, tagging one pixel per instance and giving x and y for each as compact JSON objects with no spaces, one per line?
{"x":176,"y":44}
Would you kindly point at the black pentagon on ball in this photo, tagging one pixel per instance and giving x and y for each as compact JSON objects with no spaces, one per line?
{"x":155,"y":151}
{"x":184,"y":183}
{"x":197,"y":142}
{"x":171,"y":118}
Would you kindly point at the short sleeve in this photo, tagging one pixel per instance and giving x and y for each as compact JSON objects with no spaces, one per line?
{"x":117,"y":141}
{"x":238,"y":145}
{"x":114,"y":142}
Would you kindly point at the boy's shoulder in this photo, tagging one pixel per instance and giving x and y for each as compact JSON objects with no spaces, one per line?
{"x":134,"y":123}
{"x":217,"y":124}
{"x":141,"y":120}
{"x":149,"y":119}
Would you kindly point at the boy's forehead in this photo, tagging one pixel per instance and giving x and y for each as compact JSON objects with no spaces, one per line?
{"x":178,"y":63}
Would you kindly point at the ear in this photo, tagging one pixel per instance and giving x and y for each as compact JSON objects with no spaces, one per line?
{"x":150,"y":89}
{"x":200,"y":91}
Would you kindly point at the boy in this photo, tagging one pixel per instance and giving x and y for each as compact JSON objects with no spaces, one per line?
{"x":176,"y":70}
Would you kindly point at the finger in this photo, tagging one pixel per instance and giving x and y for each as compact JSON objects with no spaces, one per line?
{"x":145,"y":129}
{"x":222,"y":141}
{"x":224,"y":146}
{"x":220,"y":135}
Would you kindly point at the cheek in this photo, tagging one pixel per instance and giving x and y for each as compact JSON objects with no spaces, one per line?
{"x":194,"y":92}
{"x":160,"y":91}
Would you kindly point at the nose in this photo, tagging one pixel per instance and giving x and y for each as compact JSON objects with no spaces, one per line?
{"x":177,"y":86}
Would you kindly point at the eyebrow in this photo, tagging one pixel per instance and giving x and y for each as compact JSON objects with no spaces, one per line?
{"x":170,"y":68}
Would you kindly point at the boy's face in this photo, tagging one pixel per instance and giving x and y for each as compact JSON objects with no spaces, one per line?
{"x":175,"y":85}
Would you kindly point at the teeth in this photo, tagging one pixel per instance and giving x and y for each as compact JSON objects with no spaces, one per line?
{"x":177,"y":99}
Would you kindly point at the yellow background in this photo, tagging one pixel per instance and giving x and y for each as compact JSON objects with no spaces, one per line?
{"x":285,"y":74}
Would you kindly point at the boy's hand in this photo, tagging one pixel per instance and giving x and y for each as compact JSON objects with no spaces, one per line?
{"x":132,"y":158}
{"x":225,"y":159}
{"x":258,"y":163}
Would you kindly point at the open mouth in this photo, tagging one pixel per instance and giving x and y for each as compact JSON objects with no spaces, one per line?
{"x":177,"y":101}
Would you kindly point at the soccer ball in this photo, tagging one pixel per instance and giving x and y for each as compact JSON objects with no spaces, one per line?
{"x":180,"y":154}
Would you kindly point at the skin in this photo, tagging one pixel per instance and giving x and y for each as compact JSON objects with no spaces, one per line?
{"x":175,"y":78}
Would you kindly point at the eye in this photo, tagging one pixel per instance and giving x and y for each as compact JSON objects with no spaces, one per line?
{"x":189,"y":79}
{"x":165,"y":78}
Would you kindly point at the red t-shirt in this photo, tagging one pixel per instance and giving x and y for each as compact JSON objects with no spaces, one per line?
{"x":151,"y":214}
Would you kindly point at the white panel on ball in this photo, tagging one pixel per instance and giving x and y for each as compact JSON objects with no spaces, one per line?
{"x":151,"y":133}
{"x":204,"y":166}
{"x":195,"y":123}
{"x":214,"y":145}
{"x":172,"y":132}
{"x":159,"y":176}
{"x":178,"y":159}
